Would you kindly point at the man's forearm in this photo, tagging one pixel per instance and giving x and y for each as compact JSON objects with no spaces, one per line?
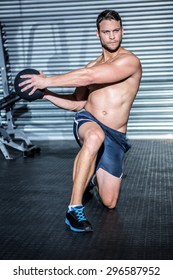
{"x":76,"y":78}
{"x":66,"y":102}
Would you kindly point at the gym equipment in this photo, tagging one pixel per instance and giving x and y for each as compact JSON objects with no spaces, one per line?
{"x":38,"y":94}
{"x":11,"y":138}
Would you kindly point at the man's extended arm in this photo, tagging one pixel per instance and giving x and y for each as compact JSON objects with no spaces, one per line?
{"x":108,"y":72}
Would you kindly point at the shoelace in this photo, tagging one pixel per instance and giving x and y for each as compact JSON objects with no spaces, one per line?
{"x":80,"y":214}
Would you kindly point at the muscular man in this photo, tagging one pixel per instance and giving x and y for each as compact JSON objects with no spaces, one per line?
{"x":105,"y":91}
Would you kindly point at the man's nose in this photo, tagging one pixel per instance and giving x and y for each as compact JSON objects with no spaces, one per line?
{"x":112,"y":35}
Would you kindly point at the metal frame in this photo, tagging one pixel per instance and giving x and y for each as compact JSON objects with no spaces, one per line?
{"x":9,"y":134}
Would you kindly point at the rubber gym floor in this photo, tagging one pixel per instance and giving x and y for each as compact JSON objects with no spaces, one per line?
{"x":35,"y":192}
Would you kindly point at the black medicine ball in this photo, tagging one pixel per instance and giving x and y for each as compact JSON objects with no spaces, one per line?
{"x":38,"y":94}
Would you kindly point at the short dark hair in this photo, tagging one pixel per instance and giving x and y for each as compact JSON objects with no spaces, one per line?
{"x":108,"y":15}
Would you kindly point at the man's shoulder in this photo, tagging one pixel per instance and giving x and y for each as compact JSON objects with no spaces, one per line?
{"x":128,"y":55}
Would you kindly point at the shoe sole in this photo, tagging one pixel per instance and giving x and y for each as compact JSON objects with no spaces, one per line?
{"x":76,"y":229}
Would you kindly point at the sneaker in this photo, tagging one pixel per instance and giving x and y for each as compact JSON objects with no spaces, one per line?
{"x":77,"y":221}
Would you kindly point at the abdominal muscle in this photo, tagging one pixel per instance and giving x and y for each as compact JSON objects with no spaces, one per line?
{"x":109,"y":108}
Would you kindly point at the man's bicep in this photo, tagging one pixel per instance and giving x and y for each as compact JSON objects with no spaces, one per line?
{"x":116,"y":71}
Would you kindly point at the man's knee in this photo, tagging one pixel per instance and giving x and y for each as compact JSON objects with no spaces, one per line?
{"x":110,"y":203}
{"x":94,"y":140}
{"x":109,"y":197}
{"x":96,"y":136}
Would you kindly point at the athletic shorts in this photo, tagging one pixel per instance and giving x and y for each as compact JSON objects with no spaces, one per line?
{"x":111,"y":153}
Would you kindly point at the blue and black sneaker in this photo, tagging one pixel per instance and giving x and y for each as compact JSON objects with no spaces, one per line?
{"x":77,"y":221}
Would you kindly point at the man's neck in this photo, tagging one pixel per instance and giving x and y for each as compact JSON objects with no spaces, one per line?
{"x":106,"y":55}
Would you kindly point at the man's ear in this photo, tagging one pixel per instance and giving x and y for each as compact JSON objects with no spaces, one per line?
{"x":122,"y":31}
{"x":97,"y":34}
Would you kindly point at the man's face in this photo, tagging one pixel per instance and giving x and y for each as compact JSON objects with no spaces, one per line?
{"x":110,"y":34}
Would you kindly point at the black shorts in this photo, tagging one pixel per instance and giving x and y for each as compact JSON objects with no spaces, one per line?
{"x":111,"y":153}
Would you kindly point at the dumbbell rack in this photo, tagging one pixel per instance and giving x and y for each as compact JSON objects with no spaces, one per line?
{"x":10,"y":135}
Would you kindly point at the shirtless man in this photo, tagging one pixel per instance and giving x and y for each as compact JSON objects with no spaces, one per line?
{"x":105,"y":91}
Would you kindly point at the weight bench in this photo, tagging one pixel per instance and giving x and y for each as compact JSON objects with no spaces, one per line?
{"x":12,"y":137}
